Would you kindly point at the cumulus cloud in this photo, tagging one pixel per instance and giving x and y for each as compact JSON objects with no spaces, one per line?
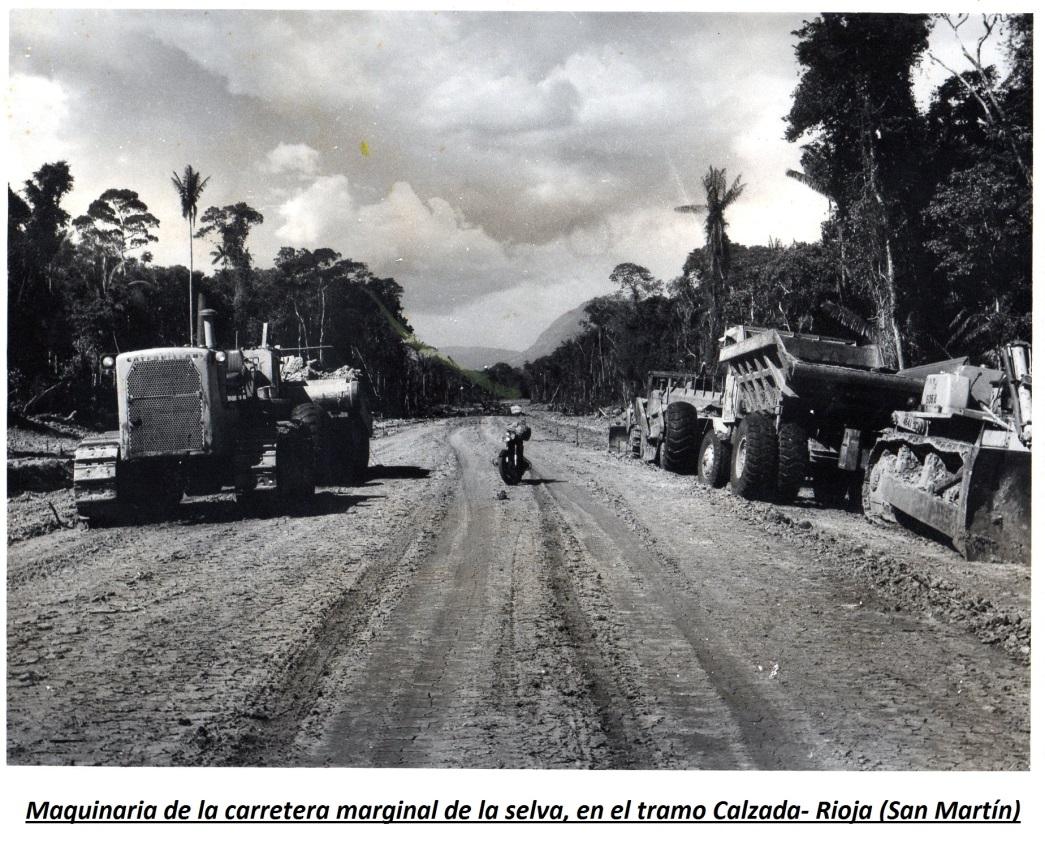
{"x":513,"y":158}
{"x":322,"y":209}
{"x":38,"y":109}
{"x":296,"y":159}
{"x":416,"y":241}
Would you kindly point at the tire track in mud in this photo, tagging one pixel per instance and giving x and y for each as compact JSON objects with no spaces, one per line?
{"x":261,"y":731}
{"x":609,"y":676}
{"x":485,"y":662}
{"x":868,"y":687}
{"x":278,"y":709}
{"x":690,"y":697}
{"x":152,"y":644}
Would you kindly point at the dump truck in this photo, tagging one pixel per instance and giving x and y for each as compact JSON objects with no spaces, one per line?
{"x":792,"y":406}
{"x":195,"y":420}
{"x":960,"y":464}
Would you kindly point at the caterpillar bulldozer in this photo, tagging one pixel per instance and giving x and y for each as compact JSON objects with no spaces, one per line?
{"x":960,"y":463}
{"x":197,"y":419}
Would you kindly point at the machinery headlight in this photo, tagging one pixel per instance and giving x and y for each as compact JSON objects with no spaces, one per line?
{"x":108,"y":362}
{"x":220,"y":357}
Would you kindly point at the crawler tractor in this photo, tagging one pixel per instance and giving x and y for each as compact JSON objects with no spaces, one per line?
{"x":960,"y":463}
{"x":197,"y":419}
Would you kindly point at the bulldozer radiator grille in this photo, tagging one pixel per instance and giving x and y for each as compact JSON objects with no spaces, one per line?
{"x":164,"y":407}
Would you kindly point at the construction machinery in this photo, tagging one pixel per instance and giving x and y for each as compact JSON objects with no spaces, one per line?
{"x":791,"y":406}
{"x":197,"y":419}
{"x":960,"y":463}
{"x":669,"y":396}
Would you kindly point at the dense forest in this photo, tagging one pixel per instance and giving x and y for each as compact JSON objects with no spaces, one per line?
{"x":926,"y":250}
{"x":81,"y":288}
{"x":927,"y":247}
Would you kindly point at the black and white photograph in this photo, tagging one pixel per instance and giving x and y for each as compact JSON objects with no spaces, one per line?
{"x":519,"y":390}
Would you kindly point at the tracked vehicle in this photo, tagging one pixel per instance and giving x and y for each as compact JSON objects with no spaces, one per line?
{"x":960,"y":463}
{"x":195,"y":420}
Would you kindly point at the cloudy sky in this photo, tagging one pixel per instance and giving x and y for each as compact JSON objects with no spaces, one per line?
{"x":497,"y":165}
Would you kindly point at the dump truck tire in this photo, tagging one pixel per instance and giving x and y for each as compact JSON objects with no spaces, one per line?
{"x":318,"y":424}
{"x":679,"y":443}
{"x":713,"y":461}
{"x":792,"y":460}
{"x":753,"y":466}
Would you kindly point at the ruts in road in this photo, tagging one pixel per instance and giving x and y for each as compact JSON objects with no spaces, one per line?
{"x":601,"y":614}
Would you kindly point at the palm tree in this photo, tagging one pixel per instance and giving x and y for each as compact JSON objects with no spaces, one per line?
{"x":189,"y":187}
{"x":718,"y":199}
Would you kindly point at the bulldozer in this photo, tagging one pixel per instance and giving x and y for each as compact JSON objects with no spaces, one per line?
{"x":960,"y":463}
{"x":195,"y":420}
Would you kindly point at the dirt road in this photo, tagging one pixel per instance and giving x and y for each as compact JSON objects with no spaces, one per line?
{"x":604,"y":614}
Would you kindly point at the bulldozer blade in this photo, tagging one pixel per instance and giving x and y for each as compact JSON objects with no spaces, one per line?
{"x":618,"y":438}
{"x":997,"y":507}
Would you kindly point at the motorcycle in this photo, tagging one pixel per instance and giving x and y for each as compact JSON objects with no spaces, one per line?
{"x":511,"y":463}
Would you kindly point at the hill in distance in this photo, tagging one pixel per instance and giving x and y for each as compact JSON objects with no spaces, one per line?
{"x":476,"y":357}
{"x":564,"y":328}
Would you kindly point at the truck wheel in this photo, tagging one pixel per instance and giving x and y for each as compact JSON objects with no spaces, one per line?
{"x":792,"y":460}
{"x":678,"y":445}
{"x":713,"y":461}
{"x":318,"y":424}
{"x":752,"y":469}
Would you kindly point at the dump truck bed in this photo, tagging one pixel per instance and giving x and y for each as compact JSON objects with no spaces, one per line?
{"x":835,"y":377}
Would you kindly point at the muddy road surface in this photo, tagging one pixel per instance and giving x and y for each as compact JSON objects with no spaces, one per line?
{"x":601,"y":614}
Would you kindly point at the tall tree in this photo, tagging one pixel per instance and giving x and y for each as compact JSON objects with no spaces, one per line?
{"x":45,"y":229}
{"x":635,"y":281}
{"x":37,"y":244}
{"x":190,"y":187}
{"x":864,"y":145}
{"x":719,"y":196}
{"x":229,"y":227}
{"x":116,"y":223}
{"x":978,"y":220}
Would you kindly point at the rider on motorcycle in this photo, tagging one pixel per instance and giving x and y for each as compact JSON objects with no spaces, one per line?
{"x":511,"y":462}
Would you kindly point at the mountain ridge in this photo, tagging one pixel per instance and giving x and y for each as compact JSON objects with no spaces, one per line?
{"x":563,"y":328}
